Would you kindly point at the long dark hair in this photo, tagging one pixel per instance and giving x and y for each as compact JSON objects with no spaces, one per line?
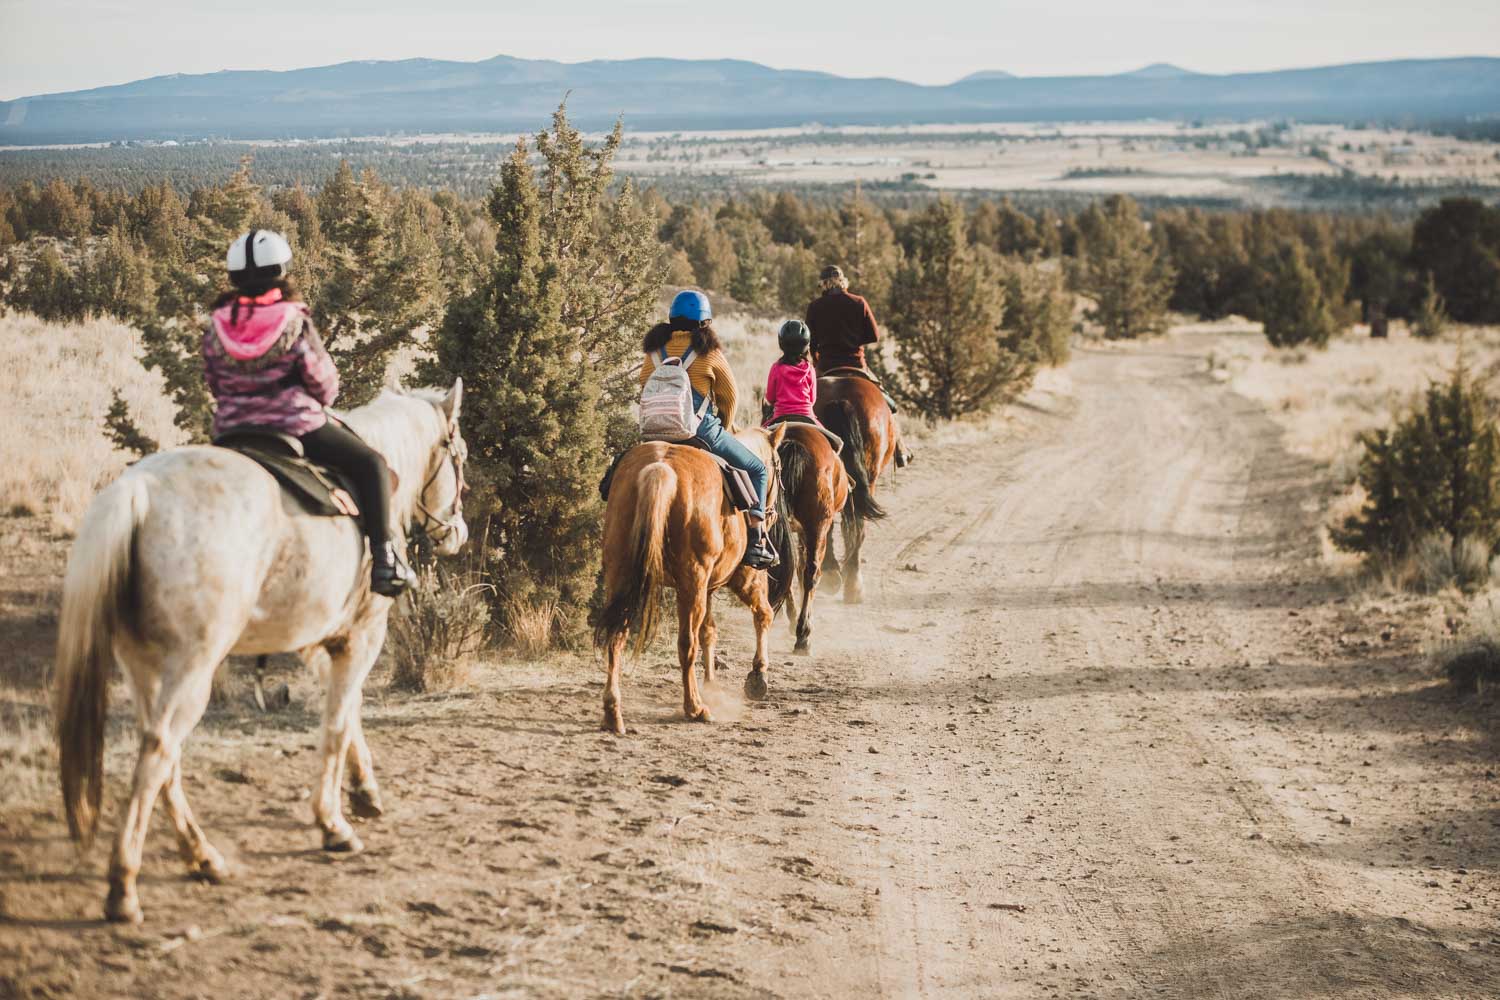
{"x":247,"y":292}
{"x":704,"y":337}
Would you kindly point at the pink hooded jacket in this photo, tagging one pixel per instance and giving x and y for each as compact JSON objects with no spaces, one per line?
{"x":267,"y":367}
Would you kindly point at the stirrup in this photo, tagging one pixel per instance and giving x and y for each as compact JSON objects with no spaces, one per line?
{"x":389,"y":576}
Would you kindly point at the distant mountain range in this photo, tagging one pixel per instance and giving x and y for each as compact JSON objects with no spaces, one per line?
{"x":506,"y":94}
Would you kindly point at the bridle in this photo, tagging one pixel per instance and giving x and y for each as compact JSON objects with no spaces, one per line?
{"x":434,"y":526}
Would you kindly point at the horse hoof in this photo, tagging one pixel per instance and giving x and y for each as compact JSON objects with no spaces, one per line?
{"x":614,"y":721}
{"x":755,"y":685}
{"x":122,"y":909}
{"x":211,"y":869}
{"x":365,"y":803}
{"x":803,"y":647}
{"x":342,"y":843}
{"x":701,"y":715}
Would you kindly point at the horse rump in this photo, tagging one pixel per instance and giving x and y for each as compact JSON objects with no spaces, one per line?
{"x":842,"y":420}
{"x":635,"y":602}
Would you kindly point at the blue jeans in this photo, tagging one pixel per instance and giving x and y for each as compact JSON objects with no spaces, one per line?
{"x":711,"y":432}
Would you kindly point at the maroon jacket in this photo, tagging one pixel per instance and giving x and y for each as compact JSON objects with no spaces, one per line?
{"x":841,"y":324}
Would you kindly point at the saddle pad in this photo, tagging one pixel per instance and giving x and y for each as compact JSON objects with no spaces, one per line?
{"x":320,"y":490}
{"x":834,"y":441}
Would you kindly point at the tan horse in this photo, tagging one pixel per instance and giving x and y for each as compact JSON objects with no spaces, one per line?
{"x":669,"y":523}
{"x":816,"y":487}
{"x":196,"y":553}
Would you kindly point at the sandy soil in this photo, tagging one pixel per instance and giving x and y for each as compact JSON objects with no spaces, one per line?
{"x":1101,"y":729}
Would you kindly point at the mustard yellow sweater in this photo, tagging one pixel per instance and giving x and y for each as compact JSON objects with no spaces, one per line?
{"x":709,"y":374}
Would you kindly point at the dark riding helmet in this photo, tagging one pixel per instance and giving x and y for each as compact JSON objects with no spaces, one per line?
{"x":794,"y":338}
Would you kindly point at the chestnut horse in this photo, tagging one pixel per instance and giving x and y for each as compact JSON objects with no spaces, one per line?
{"x":669,"y":523}
{"x":853,"y":408}
{"x":816,"y":488}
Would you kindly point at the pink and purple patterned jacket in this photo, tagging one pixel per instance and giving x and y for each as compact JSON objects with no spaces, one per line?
{"x":267,"y":367}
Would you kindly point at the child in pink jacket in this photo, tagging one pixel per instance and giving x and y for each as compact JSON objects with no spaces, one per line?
{"x":792,"y":385}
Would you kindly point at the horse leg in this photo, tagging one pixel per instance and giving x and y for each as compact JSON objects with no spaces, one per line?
{"x":854,"y":540}
{"x":202,"y":859}
{"x":750,"y":587}
{"x":348,"y":663}
{"x":364,"y":791}
{"x":614,"y":721}
{"x":791,"y":556}
{"x":815,"y":544}
{"x":708,"y":639}
{"x":692,"y":608}
{"x":165,"y":723}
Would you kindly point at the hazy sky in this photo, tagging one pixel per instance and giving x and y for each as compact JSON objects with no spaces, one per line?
{"x":55,"y":45}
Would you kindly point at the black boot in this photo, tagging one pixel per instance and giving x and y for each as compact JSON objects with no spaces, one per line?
{"x":389,"y":576}
{"x":759,"y":553}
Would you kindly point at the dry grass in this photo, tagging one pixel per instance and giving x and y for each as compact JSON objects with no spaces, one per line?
{"x":55,"y":387}
{"x":530,"y":626}
{"x":438,"y":630}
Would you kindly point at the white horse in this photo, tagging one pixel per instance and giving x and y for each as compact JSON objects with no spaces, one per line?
{"x":196,"y":553}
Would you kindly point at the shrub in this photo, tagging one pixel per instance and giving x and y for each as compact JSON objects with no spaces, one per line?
{"x":440,"y":626}
{"x":1039,"y":309}
{"x":1431,"y":316}
{"x":1437,"y":472}
{"x":1293,"y":306}
{"x":947,"y":304}
{"x":1122,"y":270}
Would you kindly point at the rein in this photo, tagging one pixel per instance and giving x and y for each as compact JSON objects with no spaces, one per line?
{"x":433,"y":525}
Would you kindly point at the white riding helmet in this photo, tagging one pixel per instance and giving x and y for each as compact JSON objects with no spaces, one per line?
{"x":261,"y":252}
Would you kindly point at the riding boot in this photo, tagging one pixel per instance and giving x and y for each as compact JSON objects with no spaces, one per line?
{"x":389,"y":576}
{"x":759,"y":553}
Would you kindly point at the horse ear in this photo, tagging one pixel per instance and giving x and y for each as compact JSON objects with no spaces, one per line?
{"x":777,"y":435}
{"x":453,"y":402}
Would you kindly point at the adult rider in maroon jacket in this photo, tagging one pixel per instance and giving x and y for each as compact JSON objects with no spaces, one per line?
{"x":842,"y":324}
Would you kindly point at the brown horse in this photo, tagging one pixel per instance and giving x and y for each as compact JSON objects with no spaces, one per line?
{"x":854,"y":409}
{"x":816,"y":488}
{"x":669,"y":523}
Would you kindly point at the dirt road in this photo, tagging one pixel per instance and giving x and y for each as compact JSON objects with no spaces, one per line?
{"x":1100,"y":729}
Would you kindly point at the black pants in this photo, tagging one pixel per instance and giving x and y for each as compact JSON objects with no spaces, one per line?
{"x":336,"y":446}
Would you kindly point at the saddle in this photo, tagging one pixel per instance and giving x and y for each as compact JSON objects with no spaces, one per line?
{"x":318,"y":489}
{"x":737,"y":485}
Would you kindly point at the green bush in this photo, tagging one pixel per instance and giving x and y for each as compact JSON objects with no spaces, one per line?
{"x":1436,"y":473}
{"x":1122,"y":269}
{"x":947,"y":308}
{"x":1293,"y":307}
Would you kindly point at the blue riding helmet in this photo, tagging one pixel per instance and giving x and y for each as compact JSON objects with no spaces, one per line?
{"x":690,"y":305}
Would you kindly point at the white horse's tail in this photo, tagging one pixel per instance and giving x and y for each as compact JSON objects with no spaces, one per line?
{"x":95,"y":600}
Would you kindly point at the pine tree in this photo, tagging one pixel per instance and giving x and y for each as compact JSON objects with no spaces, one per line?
{"x":1293,"y":306}
{"x":947,"y":304}
{"x":1122,"y":270}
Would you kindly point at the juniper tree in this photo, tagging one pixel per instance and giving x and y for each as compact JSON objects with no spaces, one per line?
{"x":545,"y":344}
{"x":1437,"y":470}
{"x":1123,"y":270}
{"x":1293,"y":306}
{"x":947,"y":306}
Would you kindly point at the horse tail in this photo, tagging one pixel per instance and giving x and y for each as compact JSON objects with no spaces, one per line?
{"x":96,"y":601}
{"x":842,"y":421}
{"x":638,"y":603}
{"x":782,"y":575}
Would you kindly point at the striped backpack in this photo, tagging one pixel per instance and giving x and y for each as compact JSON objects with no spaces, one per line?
{"x":667,"y":412}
